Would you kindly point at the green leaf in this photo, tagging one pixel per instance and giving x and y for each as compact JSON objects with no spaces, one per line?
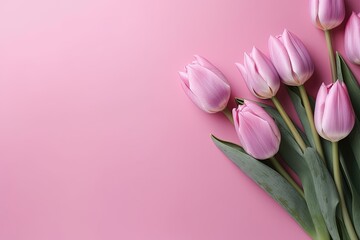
{"x":271,"y":181}
{"x":293,"y":156}
{"x":349,"y":159}
{"x":350,"y":177}
{"x":322,"y":213}
{"x":354,"y":140}
{"x":345,"y":74}
{"x":356,"y":212}
{"x":354,"y":201}
{"x":325,"y":190}
{"x":352,"y":163}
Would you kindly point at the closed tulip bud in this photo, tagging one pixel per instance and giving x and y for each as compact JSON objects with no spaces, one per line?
{"x":334,"y":116}
{"x":257,"y":131}
{"x":205,"y":85}
{"x":259,"y":74}
{"x":352,"y":38}
{"x":290,"y":58}
{"x":327,"y":14}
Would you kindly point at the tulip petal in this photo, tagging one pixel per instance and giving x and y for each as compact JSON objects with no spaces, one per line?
{"x":280,"y":58}
{"x":314,"y":9}
{"x":300,"y":60}
{"x":338,"y":119}
{"x":319,"y":109}
{"x":208,"y":86}
{"x":352,"y":38}
{"x":255,"y":83}
{"x":266,"y":70}
{"x":235,"y":113}
{"x":331,"y":13}
{"x":205,"y":63}
{"x":242,"y":70}
{"x":184,"y":78}
{"x":261,"y":113}
{"x":185,"y":85}
{"x":257,"y":135}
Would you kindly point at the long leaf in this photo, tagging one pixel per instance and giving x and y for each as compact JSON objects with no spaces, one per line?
{"x":351,"y":165}
{"x":353,"y":202}
{"x":271,"y":181}
{"x":345,"y":74}
{"x":322,"y":214}
{"x":293,"y":157}
{"x":325,"y":190}
{"x":354,"y":141}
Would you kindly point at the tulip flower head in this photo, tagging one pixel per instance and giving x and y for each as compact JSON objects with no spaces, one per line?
{"x":334,"y":116}
{"x":259,"y":74}
{"x":327,"y":14}
{"x":205,"y":85}
{"x":352,"y":38}
{"x":257,"y":131}
{"x":290,"y":58}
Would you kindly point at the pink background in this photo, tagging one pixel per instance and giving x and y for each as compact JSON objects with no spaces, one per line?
{"x":97,"y":138}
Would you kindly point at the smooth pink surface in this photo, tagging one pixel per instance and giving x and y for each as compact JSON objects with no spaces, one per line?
{"x":99,"y":141}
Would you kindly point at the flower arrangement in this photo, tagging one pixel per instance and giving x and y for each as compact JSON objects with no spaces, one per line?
{"x":324,"y":152}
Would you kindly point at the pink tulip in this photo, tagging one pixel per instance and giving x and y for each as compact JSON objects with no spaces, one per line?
{"x":334,"y":116}
{"x":327,"y":14}
{"x":205,"y":85}
{"x":259,"y":74}
{"x":290,"y":58}
{"x":352,"y":38}
{"x":257,"y":131}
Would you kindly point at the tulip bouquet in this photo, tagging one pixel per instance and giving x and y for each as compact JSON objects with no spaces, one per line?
{"x":323,"y":153}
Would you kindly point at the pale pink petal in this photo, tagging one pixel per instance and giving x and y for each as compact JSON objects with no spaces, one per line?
{"x":243,"y":72}
{"x":205,"y":63}
{"x":256,"y":84}
{"x":331,"y":13}
{"x":255,"y":109}
{"x":338,"y":118}
{"x":190,"y":94}
{"x":280,"y":59}
{"x":213,"y":92}
{"x":184,"y":78}
{"x":257,"y":136}
{"x":314,"y":9}
{"x":237,"y":123}
{"x":352,"y":38}
{"x":266,"y":70}
{"x":301,"y":62}
{"x":319,"y":108}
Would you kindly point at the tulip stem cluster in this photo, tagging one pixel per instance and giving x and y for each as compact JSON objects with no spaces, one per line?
{"x":289,"y":123}
{"x":337,"y":177}
{"x":331,"y":54}
{"x":281,"y":170}
{"x":310,"y":116}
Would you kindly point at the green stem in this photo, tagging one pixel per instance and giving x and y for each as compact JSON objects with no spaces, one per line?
{"x":331,"y":54}
{"x":228,"y":114}
{"x":289,"y":123}
{"x":280,"y":169}
{"x":310,"y":116}
{"x":337,"y":177}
